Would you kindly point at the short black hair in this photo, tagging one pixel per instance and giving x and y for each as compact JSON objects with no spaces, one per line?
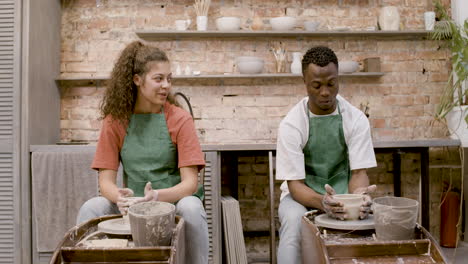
{"x":320,"y":56}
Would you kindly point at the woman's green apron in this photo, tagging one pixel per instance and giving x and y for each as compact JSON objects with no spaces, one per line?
{"x":326,"y":154}
{"x":148,"y":154}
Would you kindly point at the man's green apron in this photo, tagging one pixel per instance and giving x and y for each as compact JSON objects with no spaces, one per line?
{"x":148,"y":154}
{"x":326,"y":154}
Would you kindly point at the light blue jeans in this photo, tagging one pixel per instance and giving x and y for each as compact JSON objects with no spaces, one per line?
{"x":190,"y":208}
{"x":290,"y":213}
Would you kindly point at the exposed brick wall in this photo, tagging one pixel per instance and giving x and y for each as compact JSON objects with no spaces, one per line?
{"x":401,"y":102}
{"x":248,"y":111}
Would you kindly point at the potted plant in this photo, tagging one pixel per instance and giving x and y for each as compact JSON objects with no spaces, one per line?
{"x":454,"y":101}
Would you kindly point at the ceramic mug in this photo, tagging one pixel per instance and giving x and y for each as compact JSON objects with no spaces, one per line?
{"x":429,"y":20}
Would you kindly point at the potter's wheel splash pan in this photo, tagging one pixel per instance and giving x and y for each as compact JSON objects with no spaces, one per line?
{"x":115,"y":226}
{"x":324,"y":221}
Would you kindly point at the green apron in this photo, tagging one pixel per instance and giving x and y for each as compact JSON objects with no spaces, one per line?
{"x":148,"y":154}
{"x":326,"y":154}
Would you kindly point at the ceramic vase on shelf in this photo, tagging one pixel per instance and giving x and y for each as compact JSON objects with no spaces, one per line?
{"x":389,"y":18}
{"x":429,"y":20}
{"x":296,"y":65}
{"x":202,"y":23}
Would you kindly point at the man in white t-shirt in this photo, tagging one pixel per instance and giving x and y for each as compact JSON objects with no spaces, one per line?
{"x":324,"y":147}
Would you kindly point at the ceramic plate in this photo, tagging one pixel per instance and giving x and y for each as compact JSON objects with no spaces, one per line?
{"x":115,"y":226}
{"x":341,"y":28}
{"x":325,"y":221}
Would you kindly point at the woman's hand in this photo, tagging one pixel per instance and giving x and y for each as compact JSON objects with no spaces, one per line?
{"x":150,"y":194}
{"x":367,"y":200}
{"x":122,"y":201}
{"x":333,"y":208}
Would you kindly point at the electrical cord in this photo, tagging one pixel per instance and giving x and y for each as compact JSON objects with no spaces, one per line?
{"x":186,"y":100}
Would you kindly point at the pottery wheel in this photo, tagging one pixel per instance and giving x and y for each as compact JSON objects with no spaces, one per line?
{"x":115,"y":226}
{"x":325,"y":221}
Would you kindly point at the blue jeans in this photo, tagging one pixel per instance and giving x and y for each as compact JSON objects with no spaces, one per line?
{"x":290,"y":213}
{"x":190,"y":208}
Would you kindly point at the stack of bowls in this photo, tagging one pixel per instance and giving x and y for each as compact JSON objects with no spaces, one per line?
{"x":249,"y":64}
{"x":283,"y":23}
{"x":228,"y":23}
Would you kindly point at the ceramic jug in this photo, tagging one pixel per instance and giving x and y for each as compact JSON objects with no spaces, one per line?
{"x":296,"y":65}
{"x":182,"y":24}
{"x":389,"y":18}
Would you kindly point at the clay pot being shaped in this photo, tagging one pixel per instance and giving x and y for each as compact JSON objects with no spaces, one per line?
{"x":389,"y":18}
{"x":351,"y":204}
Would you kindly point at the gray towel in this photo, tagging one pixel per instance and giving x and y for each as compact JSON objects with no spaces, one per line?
{"x":61,"y":183}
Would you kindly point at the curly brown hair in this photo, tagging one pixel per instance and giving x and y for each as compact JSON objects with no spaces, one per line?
{"x":121,"y":93}
{"x":320,"y":56}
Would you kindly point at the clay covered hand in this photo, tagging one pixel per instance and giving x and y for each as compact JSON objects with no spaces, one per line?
{"x":333,"y":208}
{"x":150,"y":194}
{"x":367,"y":200}
{"x":122,"y":201}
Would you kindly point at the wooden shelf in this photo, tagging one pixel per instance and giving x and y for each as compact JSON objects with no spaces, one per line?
{"x":175,"y":34}
{"x":96,"y":80}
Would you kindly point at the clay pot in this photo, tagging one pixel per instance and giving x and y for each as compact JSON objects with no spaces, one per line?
{"x":351,"y":204}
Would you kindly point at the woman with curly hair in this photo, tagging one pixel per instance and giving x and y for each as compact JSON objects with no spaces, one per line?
{"x":156,"y":143}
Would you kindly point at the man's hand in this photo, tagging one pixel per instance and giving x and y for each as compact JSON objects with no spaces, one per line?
{"x":122,"y":201}
{"x":367,"y":200}
{"x":334,"y":209}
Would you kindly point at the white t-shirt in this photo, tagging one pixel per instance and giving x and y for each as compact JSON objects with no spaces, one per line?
{"x":293,"y":134}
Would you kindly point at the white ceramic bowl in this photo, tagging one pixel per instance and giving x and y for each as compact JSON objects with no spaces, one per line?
{"x":228,"y":23}
{"x":250,"y":65}
{"x":283,"y":23}
{"x":348,"y":66}
{"x":248,"y":58}
{"x":311,"y":25}
{"x":351,"y":204}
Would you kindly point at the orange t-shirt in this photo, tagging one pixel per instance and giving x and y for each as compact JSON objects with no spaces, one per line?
{"x":181,"y":129}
